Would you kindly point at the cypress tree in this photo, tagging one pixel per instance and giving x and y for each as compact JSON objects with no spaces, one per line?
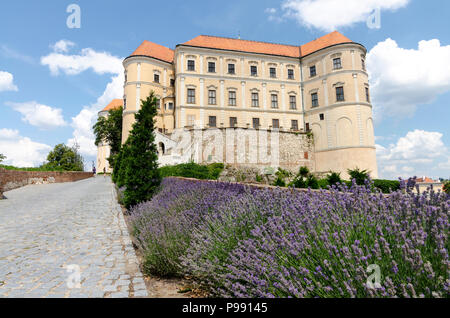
{"x":142,"y":176}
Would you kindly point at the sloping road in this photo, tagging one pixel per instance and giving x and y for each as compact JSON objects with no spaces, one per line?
{"x":66,"y":240}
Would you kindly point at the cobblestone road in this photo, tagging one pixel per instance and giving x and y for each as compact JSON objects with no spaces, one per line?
{"x":48,"y":232}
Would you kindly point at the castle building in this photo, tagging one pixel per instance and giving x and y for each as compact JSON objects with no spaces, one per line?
{"x":320,"y":87}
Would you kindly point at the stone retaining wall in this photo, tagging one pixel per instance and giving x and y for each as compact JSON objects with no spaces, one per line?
{"x":12,"y":179}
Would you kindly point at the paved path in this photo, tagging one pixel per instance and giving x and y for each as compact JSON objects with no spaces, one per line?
{"x":48,"y":232}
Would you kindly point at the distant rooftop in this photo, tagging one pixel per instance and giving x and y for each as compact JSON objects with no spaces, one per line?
{"x":115,"y":103}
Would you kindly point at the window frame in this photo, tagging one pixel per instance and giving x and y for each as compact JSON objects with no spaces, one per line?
{"x":190,"y":98}
{"x":211,"y":66}
{"x":255,"y":101}
{"x":367,"y":94}
{"x":234,"y":68}
{"x":210,"y":121}
{"x":274,"y":101}
{"x":337,"y":63}
{"x":191,"y":65}
{"x":340,"y":96}
{"x":291,"y":73}
{"x":233,"y":120}
{"x":314,"y":101}
{"x":232,"y":100}
{"x":273,"y":72}
{"x":294,"y":127}
{"x":292,"y":102}
{"x":212,"y":97}
{"x":256,"y":120}
{"x":156,"y":78}
{"x":276,"y":120}
{"x":255,"y":72}
{"x":311,"y":73}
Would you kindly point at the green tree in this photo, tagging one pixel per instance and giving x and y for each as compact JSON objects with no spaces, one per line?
{"x":359,"y":175}
{"x":64,"y":158}
{"x":2,"y":157}
{"x":108,"y":129}
{"x":334,"y":178}
{"x":447,"y":187}
{"x":142,"y":175}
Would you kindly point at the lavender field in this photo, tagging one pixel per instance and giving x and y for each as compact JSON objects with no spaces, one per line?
{"x":238,"y":241}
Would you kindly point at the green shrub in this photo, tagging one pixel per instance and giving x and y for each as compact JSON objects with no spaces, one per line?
{"x":304,"y":171}
{"x":299,"y":183}
{"x":359,"y":175}
{"x":323,"y":183}
{"x":259,"y":178}
{"x":447,"y":187}
{"x":312,"y":182}
{"x":386,"y":186}
{"x":334,"y":178}
{"x":215,"y":169}
{"x":279,"y":182}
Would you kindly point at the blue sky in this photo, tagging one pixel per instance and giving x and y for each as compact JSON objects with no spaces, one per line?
{"x":67,"y":85}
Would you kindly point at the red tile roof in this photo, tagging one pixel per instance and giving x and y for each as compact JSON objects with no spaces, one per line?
{"x":425,"y":180}
{"x":323,"y":42}
{"x":115,"y":103}
{"x":244,"y":46}
{"x":165,"y":54}
{"x":155,"y":50}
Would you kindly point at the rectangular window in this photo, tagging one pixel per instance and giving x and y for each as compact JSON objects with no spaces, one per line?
{"x":367,"y":95}
{"x":273,"y":72}
{"x":337,"y":63}
{"x":275,"y":123}
{"x":212,"y":97}
{"x":191,"y":120}
{"x":293,"y":102}
{"x":294,"y":124}
{"x":363,"y":63}
{"x":172,"y":82}
{"x":212,"y":121}
{"x":274,"y":99}
{"x":191,"y":96}
{"x":232,"y":98}
{"x":322,"y":117}
{"x":124,"y":103}
{"x":255,"y":123}
{"x":307,"y":127}
{"x":312,"y":71}
{"x":233,"y":122}
{"x":231,"y":69}
{"x":314,"y":99}
{"x":340,"y":94}
{"x":158,"y":103}
{"x":255,"y":100}
{"x":170,"y":106}
{"x":290,"y":74}
{"x":156,"y":78}
{"x":253,"y":70}
{"x":211,"y":67}
{"x":191,"y":65}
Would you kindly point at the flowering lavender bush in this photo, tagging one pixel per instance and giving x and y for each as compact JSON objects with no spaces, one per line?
{"x":239,"y":241}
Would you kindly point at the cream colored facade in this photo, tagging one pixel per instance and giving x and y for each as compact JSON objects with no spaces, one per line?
{"x":194,"y":93}
{"x":103,"y":152}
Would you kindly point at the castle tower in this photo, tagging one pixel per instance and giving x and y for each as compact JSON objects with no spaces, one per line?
{"x":337,"y":105}
{"x":149,"y":68}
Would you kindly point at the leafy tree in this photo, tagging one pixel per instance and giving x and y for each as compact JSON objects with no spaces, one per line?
{"x":119,"y":172}
{"x":2,"y":157}
{"x":334,"y":178}
{"x":447,"y":187}
{"x":142,"y":176}
{"x":64,"y":158}
{"x":359,"y":175}
{"x":109,"y":130}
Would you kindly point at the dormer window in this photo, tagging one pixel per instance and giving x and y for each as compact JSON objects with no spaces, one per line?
{"x":337,"y":63}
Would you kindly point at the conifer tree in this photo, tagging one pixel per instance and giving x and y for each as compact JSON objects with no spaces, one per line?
{"x":142,"y":176}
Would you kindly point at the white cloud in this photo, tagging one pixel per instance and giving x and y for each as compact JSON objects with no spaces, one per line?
{"x":21,"y":151}
{"x":62,"y":46}
{"x":101,"y":63}
{"x":329,"y":15}
{"x":401,"y":79}
{"x":417,"y":153}
{"x":7,"y":82}
{"x":42,"y":116}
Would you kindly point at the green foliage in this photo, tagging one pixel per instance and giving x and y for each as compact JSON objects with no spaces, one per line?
{"x":109,"y":130}
{"x":312,"y":182}
{"x":42,"y":168}
{"x":2,"y":157}
{"x":447,"y":187}
{"x":303,"y":172}
{"x":193,"y":170}
{"x":359,"y":175}
{"x":64,"y":158}
{"x":386,"y":186}
{"x":279,"y":182}
{"x":323,"y":183}
{"x":142,"y":176}
{"x":334,"y":178}
{"x":259,"y":178}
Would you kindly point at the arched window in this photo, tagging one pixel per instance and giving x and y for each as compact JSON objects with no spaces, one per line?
{"x":162,"y":148}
